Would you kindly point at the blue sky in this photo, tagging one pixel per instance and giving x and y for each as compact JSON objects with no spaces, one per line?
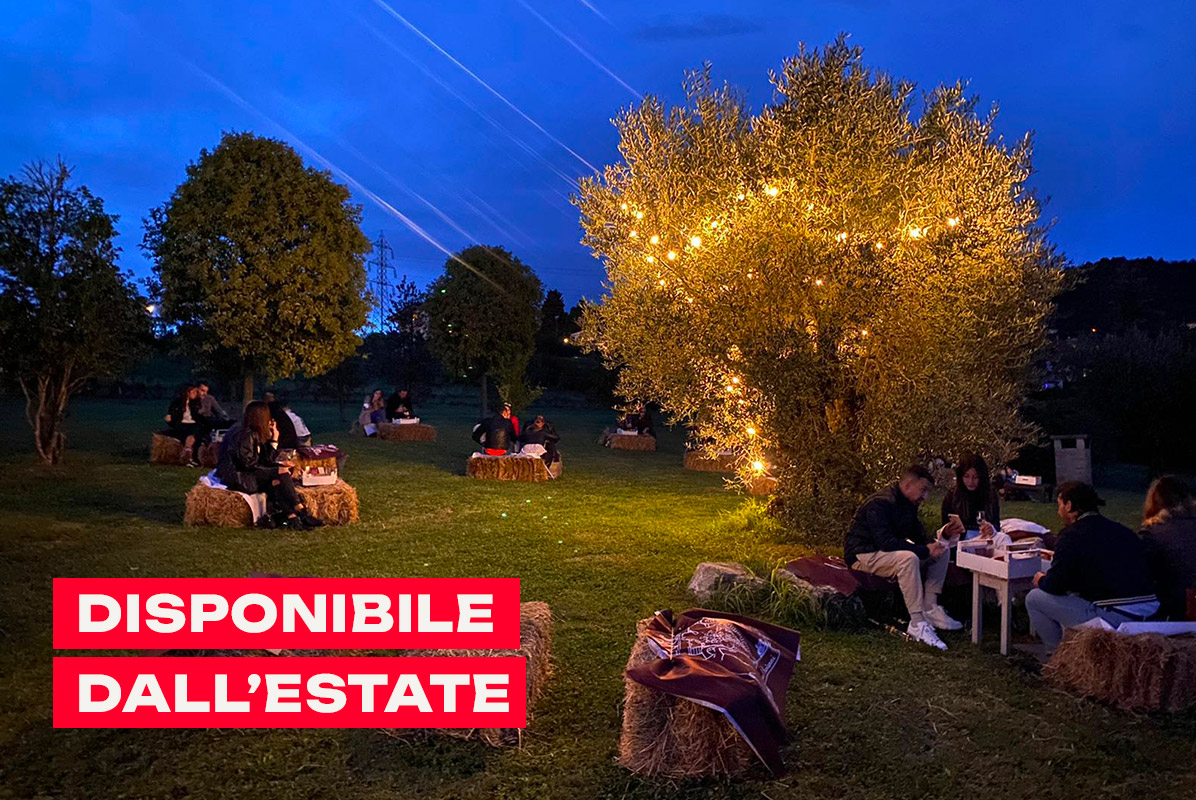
{"x":129,"y":92}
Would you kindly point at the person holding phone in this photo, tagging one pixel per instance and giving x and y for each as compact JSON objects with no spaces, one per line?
{"x":886,"y":538}
{"x":249,"y":463}
{"x":971,"y":499}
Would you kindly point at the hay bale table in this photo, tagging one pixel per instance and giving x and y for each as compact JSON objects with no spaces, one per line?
{"x":1140,"y":672}
{"x":528,"y":469}
{"x":697,"y":460}
{"x":535,"y":645}
{"x":633,"y":441}
{"x":411,"y":432}
{"x":335,"y":504}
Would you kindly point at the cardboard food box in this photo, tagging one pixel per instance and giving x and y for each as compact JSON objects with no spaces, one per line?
{"x":1018,"y":561}
{"x":1028,"y":480}
{"x":317,"y":476}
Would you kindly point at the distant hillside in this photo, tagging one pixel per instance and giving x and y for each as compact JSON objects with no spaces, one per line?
{"x":1116,"y":294}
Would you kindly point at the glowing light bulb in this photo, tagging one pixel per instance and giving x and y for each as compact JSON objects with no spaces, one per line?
{"x":915,"y":232}
{"x":758,"y":466}
{"x":714,"y":224}
{"x":566,"y":340}
{"x":729,"y":388}
{"x":880,"y":245}
{"x":842,"y":237}
{"x":735,"y":381}
{"x":651,"y":259}
{"x":150,"y":308}
{"x":751,"y":431}
{"x":810,"y":207}
{"x":695,"y":241}
{"x":740,"y":196}
{"x":689,"y":299}
{"x":864,"y":332}
{"x":633,"y":234}
{"x":772,"y":191}
{"x":639,"y":215}
{"x":662,"y":281}
{"x":749,"y":274}
{"x":671,"y":255}
{"x":624,"y":206}
{"x":655,"y":239}
{"x":818,"y":281}
{"x":952,"y":221}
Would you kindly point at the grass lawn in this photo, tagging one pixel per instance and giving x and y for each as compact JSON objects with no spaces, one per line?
{"x":615,"y":539}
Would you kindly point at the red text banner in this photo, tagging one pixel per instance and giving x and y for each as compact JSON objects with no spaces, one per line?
{"x":265,"y":692}
{"x":278,"y":613}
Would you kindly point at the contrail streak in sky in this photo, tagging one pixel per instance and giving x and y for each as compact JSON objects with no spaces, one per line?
{"x":385,"y":7}
{"x":638,"y":95}
{"x":594,"y":8}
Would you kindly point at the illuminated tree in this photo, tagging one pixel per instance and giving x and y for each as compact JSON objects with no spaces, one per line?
{"x":260,"y":260}
{"x":831,"y":287}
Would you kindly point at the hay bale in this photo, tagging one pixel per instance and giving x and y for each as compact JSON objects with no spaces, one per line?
{"x":762,"y":486}
{"x":699,"y":461}
{"x":535,"y":645}
{"x":507,"y":468}
{"x":1143,"y":672}
{"x":217,"y":507}
{"x":208,"y":455}
{"x":665,"y":736}
{"x":335,"y":504}
{"x":412,"y":432}
{"x":631,"y":441}
{"x":165,"y":449}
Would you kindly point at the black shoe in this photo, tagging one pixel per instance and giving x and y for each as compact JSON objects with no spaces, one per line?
{"x":294,"y":523}
{"x":266,"y":522}
{"x":309,"y":521}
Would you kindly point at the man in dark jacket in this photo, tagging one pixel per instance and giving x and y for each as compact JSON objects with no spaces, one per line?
{"x":886,"y":538}
{"x":1099,"y":570}
{"x":496,"y":434}
{"x":542,"y":434}
{"x":398,"y":405}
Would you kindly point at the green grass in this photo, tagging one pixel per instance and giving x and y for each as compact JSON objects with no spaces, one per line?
{"x":614,"y":540}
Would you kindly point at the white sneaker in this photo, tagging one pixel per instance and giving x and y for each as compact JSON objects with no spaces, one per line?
{"x":937,"y":617}
{"x":924,"y":632}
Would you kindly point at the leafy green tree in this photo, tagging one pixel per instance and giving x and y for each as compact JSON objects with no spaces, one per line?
{"x":556,"y":325}
{"x":67,"y":314}
{"x":830,"y":287}
{"x":482,"y":320}
{"x":261,"y":259}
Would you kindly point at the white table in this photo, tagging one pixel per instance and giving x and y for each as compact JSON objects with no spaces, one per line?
{"x":1007,"y":589}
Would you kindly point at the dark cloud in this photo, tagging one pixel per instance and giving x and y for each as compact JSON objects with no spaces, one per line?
{"x":706,"y":26}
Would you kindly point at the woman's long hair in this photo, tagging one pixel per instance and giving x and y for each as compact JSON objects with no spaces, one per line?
{"x":1167,"y":493}
{"x":257,"y":419}
{"x":967,"y":500}
{"x":185,"y":390}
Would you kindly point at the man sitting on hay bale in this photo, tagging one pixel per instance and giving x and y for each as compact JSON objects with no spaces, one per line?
{"x":398,"y":406}
{"x":886,"y":539}
{"x":540,"y":438}
{"x":248,"y":463}
{"x":1099,"y":570}
{"x":497,"y":434}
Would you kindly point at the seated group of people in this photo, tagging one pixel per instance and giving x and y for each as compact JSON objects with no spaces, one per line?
{"x":1099,"y":568}
{"x":379,"y":408}
{"x":194,"y":415}
{"x":250,"y":462}
{"x":637,"y":420}
{"x":501,"y":434}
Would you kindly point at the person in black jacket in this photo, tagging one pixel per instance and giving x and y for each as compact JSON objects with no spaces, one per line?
{"x":639,"y":420}
{"x":184,"y":422}
{"x":248,"y":463}
{"x":496,"y":434}
{"x":972,"y":498}
{"x":1098,"y":568}
{"x":886,"y":538}
{"x":1169,"y":534}
{"x":288,"y":438}
{"x":542,"y":434}
{"x":398,"y":406}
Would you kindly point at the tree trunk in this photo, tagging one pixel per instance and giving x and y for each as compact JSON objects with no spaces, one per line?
{"x":247,"y":388}
{"x":484,"y":393}
{"x":45,"y":409}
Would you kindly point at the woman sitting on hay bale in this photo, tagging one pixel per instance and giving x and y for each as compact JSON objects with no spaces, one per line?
{"x":373,"y":411}
{"x":540,"y":438}
{"x":184,"y":422}
{"x":1169,"y":534}
{"x":248,"y":463}
{"x":497,"y":434}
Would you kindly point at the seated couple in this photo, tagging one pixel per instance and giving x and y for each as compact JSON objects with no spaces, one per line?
{"x":1102,"y":569}
{"x":292,"y":430}
{"x":638,"y":420}
{"x":378,"y":408}
{"x":192,"y":416}
{"x":500,"y":434}
{"x":249,"y":463}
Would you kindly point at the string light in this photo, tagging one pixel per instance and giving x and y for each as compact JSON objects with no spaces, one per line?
{"x":639,"y":215}
{"x":671,"y":255}
{"x":952,"y":221}
{"x":863,"y":332}
{"x":624,"y":206}
{"x":714,"y":223}
{"x":810,"y":207}
{"x":735,"y":381}
{"x":818,"y":281}
{"x":772,"y":191}
{"x":880,"y":245}
{"x":740,"y":196}
{"x":655,"y":239}
{"x":730,"y":388}
{"x":915,"y":232}
{"x":689,"y":299}
{"x":751,"y":431}
{"x":651,"y":259}
{"x":695,"y":241}
{"x":842,"y":237}
{"x":758,"y":466}
{"x":662,"y":281}
{"x":633,"y":234}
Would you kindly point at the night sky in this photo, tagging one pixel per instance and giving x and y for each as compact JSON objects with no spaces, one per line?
{"x":129,"y":92}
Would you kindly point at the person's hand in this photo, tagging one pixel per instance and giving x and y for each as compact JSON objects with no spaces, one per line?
{"x":936,"y":549}
{"x":1037,"y":578}
{"x":987,"y":530}
{"x":273,"y":431}
{"x":952,"y":530}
